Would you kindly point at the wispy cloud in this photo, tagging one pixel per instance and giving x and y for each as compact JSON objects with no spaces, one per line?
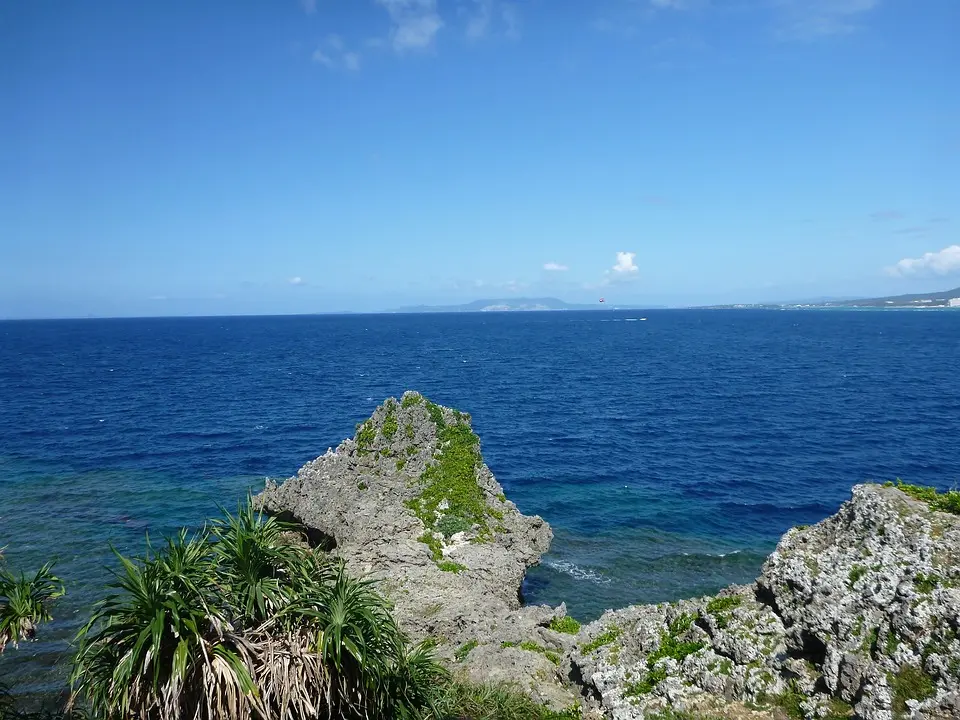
{"x":309,"y":6}
{"x":555,"y":267}
{"x":491,"y":17}
{"x":415,"y":23}
{"x":332,"y":53}
{"x":812,"y":19}
{"x":932,"y":263}
{"x":885,"y":215}
{"x":296,"y":280}
{"x":915,"y":230}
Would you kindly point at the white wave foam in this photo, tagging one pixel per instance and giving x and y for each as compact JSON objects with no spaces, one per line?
{"x":579,"y":573}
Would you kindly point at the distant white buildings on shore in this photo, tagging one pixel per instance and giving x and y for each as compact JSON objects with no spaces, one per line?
{"x":953,"y":302}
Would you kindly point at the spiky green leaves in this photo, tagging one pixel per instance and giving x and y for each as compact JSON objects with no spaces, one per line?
{"x":239,"y":622}
{"x":25,"y":603}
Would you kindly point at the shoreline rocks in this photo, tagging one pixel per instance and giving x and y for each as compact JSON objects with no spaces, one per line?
{"x":857,"y":616}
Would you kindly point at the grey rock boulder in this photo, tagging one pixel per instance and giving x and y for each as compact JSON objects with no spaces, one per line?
{"x":409,"y":502}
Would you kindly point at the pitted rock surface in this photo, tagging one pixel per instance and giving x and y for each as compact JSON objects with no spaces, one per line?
{"x":355,"y":501}
{"x":857,"y":616}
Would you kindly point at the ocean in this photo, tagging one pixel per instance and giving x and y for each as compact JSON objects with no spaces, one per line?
{"x":668,"y":453}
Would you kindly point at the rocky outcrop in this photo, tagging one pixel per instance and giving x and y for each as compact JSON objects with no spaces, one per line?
{"x":857,"y":616}
{"x":408,"y":501}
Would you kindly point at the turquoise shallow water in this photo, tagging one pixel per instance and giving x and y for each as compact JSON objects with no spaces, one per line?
{"x":668,"y":454}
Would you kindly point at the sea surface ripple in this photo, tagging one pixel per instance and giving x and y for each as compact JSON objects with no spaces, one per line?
{"x":668,"y":454}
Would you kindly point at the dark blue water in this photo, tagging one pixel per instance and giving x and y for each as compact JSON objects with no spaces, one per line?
{"x":668,"y":454}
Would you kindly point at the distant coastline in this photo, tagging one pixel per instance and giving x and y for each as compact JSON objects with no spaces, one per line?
{"x":519,"y":305}
{"x":940,"y":300}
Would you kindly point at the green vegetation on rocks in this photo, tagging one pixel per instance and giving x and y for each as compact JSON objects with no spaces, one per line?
{"x":390,"y":426}
{"x":910,"y":683}
{"x":605,"y":638}
{"x":856,"y":572}
{"x":671,"y":646}
{"x":566,"y":624}
{"x":720,"y":608}
{"x":450,"y":566}
{"x":464,"y":650}
{"x":551,"y":655}
{"x":450,"y":499}
{"x":495,"y":701}
{"x":411,"y":399}
{"x":926,"y":584}
{"x":948,"y":502}
{"x":366,"y":434}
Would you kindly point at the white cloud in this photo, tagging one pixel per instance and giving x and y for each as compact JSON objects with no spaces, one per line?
{"x":296,"y":280}
{"x":511,"y":19}
{"x":625,"y":266}
{"x":937,"y":263}
{"x":332,"y":53}
{"x":625,"y":269}
{"x":415,"y":23}
{"x":492,"y":16}
{"x":555,"y":267}
{"x":319,"y":56}
{"x":309,"y":6}
{"x":479,"y":22}
{"x":812,"y":19}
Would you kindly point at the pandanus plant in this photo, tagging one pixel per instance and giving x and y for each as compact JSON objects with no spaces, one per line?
{"x":25,"y":602}
{"x":237,"y":622}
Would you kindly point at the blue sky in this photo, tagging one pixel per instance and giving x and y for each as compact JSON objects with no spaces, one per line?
{"x":298,"y":156}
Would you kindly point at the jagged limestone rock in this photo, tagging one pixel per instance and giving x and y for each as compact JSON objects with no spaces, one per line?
{"x":857,"y":616}
{"x":408,"y":501}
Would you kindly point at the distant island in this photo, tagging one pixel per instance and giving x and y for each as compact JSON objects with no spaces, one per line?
{"x":941,"y":299}
{"x":513,"y":305}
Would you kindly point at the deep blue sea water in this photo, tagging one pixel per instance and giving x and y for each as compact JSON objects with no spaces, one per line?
{"x":668,"y":454}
